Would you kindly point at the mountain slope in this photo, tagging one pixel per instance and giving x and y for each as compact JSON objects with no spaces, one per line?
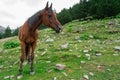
{"x":89,"y":49}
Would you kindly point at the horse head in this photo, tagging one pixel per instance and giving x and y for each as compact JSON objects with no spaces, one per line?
{"x":49,"y":19}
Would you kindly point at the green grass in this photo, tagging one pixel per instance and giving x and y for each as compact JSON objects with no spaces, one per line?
{"x":93,"y":36}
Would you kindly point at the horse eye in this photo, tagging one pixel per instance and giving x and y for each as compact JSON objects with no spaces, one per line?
{"x":50,"y":16}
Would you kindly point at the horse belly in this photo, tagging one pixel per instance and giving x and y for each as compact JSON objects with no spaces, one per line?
{"x":30,"y":40}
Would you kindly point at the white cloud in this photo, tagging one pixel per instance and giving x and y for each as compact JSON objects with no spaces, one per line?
{"x":15,"y":12}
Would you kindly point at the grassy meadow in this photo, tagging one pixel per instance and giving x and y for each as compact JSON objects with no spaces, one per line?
{"x":89,"y":49}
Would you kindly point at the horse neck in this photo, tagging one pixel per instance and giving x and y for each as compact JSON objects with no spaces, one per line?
{"x":34,"y":21}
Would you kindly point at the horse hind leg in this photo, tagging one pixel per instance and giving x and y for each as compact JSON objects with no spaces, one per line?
{"x":28,"y":51}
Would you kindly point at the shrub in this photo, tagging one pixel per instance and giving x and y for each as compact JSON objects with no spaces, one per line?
{"x":10,"y":44}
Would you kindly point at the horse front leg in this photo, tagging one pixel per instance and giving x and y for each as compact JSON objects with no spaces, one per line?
{"x":22,"y":57}
{"x":32,"y":58}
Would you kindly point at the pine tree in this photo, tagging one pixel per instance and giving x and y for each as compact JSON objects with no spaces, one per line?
{"x":7,"y":32}
{"x":64,"y":16}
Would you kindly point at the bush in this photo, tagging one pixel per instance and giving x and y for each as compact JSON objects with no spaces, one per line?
{"x":10,"y":44}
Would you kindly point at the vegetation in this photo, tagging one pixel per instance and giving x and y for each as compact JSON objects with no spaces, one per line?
{"x":91,"y":9}
{"x":92,"y":52}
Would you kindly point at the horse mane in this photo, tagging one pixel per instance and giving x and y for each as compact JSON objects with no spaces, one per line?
{"x":34,"y":19}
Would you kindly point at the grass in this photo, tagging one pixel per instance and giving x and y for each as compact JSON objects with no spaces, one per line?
{"x":94,"y":36}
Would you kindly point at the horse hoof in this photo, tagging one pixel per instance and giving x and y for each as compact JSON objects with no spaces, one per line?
{"x":32,"y":73}
{"x":19,"y":76}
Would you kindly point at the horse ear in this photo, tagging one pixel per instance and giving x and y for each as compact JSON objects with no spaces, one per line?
{"x":51,"y":6}
{"x":46,"y":5}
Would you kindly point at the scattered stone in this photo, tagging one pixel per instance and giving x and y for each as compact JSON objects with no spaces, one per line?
{"x":19,"y":77}
{"x":16,"y":62}
{"x":91,"y":36}
{"x":100,"y":68}
{"x":64,"y":74}
{"x":50,"y":70}
{"x":117,"y":48}
{"x":85,"y":51}
{"x":60,"y":66}
{"x":32,"y":73}
{"x":70,"y":50}
{"x":49,"y":40}
{"x":98,"y":54}
{"x":55,"y":78}
{"x":91,"y":73}
{"x":43,"y":53}
{"x":78,"y":56}
{"x":12,"y":76}
{"x":64,"y":46}
{"x":6,"y":77}
{"x":86,"y":77}
{"x":87,"y":55}
{"x":79,"y":41}
{"x":115,"y":54}
{"x":82,"y":62}
{"x":77,"y":37}
{"x":108,"y":70}
{"x":1,"y":66}
{"x":25,"y":63}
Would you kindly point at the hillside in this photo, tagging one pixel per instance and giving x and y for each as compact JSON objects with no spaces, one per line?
{"x":89,"y":49}
{"x":2,"y":29}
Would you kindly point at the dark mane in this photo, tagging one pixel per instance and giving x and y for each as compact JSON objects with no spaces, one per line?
{"x":33,"y":19}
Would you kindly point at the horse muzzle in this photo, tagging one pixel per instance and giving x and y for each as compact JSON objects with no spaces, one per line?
{"x":58,"y":29}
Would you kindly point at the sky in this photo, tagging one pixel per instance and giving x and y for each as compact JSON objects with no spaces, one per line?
{"x":15,"y":12}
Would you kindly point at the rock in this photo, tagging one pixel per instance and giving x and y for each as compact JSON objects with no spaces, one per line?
{"x":64,"y":46}
{"x":117,"y":48}
{"x":19,"y":77}
{"x":82,"y":62}
{"x":70,"y":50}
{"x":55,"y":78}
{"x":91,"y":36}
{"x":6,"y":77}
{"x":60,"y":66}
{"x":87,"y":55}
{"x":79,"y":41}
{"x":50,"y":70}
{"x":77,"y":37}
{"x":91,"y":73}
{"x":100,"y":68}
{"x":43,"y":53}
{"x":98,"y":54}
{"x":86,"y":77}
{"x":85,"y":51}
{"x":49,"y":40}
{"x":25,"y":63}
{"x":1,"y":66}
{"x":12,"y":76}
{"x":115,"y":54}
{"x":64,"y":74}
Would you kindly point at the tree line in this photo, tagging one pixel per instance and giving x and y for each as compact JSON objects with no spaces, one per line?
{"x":90,"y":9}
{"x":9,"y":32}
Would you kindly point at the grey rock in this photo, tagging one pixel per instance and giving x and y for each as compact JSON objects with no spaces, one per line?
{"x":60,"y":66}
{"x":64,"y":46}
{"x":49,"y":40}
{"x":117,"y":48}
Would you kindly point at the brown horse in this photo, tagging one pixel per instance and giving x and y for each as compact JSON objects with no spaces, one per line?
{"x":28,"y":34}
